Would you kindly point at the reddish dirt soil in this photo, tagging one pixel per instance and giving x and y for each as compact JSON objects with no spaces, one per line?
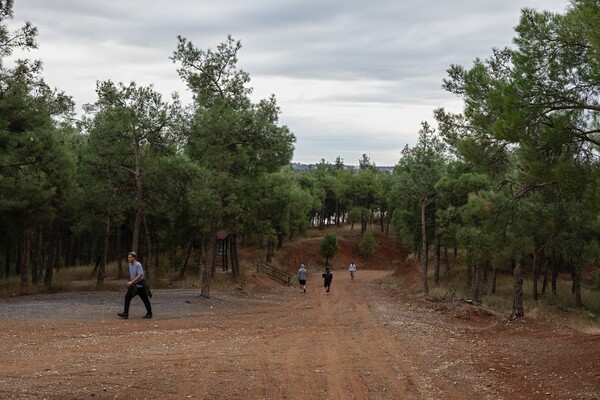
{"x":265,"y":341}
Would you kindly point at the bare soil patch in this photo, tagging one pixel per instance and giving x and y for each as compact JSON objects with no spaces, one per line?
{"x":363,"y":341}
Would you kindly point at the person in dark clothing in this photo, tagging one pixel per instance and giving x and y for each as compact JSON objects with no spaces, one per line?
{"x":136,"y":286}
{"x":327,"y":278}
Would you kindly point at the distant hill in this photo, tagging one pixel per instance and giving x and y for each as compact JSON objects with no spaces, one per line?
{"x":306,"y":167}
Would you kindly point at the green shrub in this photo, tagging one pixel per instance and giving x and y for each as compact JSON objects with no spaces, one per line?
{"x":329,"y":246}
{"x":367,"y":245}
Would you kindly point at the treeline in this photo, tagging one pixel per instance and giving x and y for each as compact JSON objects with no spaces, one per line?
{"x":143,"y":173}
{"x":511,"y":183}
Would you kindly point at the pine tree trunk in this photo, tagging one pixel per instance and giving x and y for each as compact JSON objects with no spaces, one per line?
{"x":518,"y":289}
{"x":476,"y":286}
{"x":387,"y":226}
{"x":270,"y":251}
{"x":135,"y":239}
{"x":105,"y":247}
{"x":147,"y":262}
{"x":19,"y":255}
{"x":25,"y":257}
{"x":322,"y":215}
{"x":494,"y":276}
{"x":35,"y":261}
{"x":424,"y":246}
{"x":201,"y":248}
{"x":576,"y":284}
{"x":486,"y":267}
{"x":188,"y":253}
{"x":156,"y":252}
{"x":545,"y":280}
{"x":227,"y":253}
{"x":536,"y":273}
{"x":70,"y":253}
{"x":447,"y":262}
{"x":137,"y":224}
{"x":55,"y":254}
{"x":97,"y":264}
{"x":235,"y":261}
{"x":436,"y":276}
{"x":59,"y":248}
{"x":209,"y":267}
{"x":119,"y":257}
{"x":469,"y":268}
{"x":7,"y":258}
{"x":555,"y":270}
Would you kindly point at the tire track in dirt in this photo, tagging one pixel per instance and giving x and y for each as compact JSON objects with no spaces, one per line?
{"x":365,"y":360}
{"x":354,"y":350}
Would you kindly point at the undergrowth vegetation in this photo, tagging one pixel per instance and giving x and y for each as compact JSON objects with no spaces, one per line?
{"x":552,"y":307}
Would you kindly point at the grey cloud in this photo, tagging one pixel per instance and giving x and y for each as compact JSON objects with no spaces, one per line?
{"x":385,"y":52}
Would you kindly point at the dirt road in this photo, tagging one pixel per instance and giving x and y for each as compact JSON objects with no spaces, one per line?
{"x":362,"y":341}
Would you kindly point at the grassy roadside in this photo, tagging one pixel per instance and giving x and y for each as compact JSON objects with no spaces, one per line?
{"x":559,"y":307}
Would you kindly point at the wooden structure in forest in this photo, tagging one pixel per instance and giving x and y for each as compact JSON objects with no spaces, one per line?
{"x":274,"y":273}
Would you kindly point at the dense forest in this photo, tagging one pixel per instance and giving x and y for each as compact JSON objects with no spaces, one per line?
{"x":513,"y":181}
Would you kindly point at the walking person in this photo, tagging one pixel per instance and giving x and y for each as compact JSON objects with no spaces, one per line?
{"x":352,"y":269}
{"x":327,"y":278}
{"x":302,"y":277}
{"x":136,"y":286}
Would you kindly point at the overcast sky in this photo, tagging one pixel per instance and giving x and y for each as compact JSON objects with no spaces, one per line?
{"x":350,"y":76}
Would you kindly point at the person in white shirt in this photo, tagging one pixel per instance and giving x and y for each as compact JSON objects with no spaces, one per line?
{"x":352,"y":269}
